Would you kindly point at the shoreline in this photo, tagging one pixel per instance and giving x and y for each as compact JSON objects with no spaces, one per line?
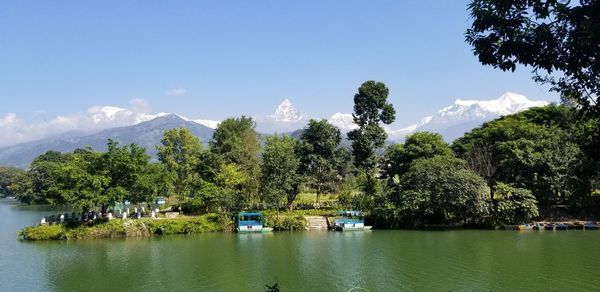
{"x":209,"y":223}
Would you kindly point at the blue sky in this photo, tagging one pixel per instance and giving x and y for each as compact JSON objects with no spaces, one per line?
{"x":240,"y":57}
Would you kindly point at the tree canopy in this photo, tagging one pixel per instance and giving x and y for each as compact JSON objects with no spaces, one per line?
{"x":558,"y":39}
{"x":319,"y":156}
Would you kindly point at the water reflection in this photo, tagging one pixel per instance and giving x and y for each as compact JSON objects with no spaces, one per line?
{"x":301,"y":261}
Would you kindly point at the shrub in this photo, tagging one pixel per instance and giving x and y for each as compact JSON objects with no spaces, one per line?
{"x":43,"y":232}
{"x":286,"y":223}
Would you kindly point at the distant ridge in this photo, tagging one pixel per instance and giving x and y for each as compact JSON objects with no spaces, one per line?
{"x":147,"y":134}
{"x":451,"y":121}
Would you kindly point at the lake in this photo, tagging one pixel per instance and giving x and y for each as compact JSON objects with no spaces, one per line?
{"x":300,"y":261}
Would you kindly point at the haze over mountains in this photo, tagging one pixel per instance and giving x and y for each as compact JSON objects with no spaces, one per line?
{"x":131,"y":126}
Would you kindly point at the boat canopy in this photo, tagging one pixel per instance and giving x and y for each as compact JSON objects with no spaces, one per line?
{"x":249,"y":216}
{"x":351,"y":213}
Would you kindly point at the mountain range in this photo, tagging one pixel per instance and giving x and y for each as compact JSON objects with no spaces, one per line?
{"x":147,"y":129}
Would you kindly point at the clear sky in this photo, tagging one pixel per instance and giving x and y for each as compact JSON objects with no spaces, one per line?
{"x":215,"y":59}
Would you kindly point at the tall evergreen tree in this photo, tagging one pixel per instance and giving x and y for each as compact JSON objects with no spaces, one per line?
{"x":370,"y":109}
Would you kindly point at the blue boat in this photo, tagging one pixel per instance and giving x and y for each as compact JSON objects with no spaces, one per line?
{"x":591,"y":226}
{"x":562,"y":226}
{"x":549,"y":226}
{"x":350,"y":221}
{"x":249,"y":222}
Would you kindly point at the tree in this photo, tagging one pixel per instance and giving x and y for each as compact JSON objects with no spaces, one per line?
{"x":179,"y":153}
{"x":89,"y":178}
{"x":35,"y":186}
{"x":232,"y":180}
{"x":279,"y":170}
{"x":533,"y":150}
{"x":370,"y":109}
{"x":420,"y":145}
{"x":559,"y":39}
{"x":80,"y":182}
{"x":318,"y":146}
{"x":440,"y":190}
{"x":236,"y":141}
{"x":514,"y":205}
{"x":8,"y":177}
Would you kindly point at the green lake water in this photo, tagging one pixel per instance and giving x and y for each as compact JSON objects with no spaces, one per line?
{"x":302,"y":261}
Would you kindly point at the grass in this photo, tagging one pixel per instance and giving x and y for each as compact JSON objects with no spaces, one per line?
{"x":311,"y":198}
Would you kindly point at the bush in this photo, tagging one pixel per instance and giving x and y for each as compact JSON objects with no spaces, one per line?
{"x":286,"y":223}
{"x":43,"y":232}
{"x":129,"y":228}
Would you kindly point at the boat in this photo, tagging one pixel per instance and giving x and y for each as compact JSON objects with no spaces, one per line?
{"x":591,"y":226}
{"x":350,"y":221}
{"x":538,"y":226}
{"x":525,"y":226}
{"x":561,"y":226}
{"x":250,"y":222}
{"x":160,"y":201}
{"x":549,"y":226}
{"x":576,"y":226}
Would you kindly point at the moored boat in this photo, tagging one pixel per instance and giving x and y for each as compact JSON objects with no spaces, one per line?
{"x":561,"y":226}
{"x":591,"y":226}
{"x":350,"y":221}
{"x":525,"y":226}
{"x":576,"y":226}
{"x":249,"y":222}
{"x":538,"y":226}
{"x":549,"y":226}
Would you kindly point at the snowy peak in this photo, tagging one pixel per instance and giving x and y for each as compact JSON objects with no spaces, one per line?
{"x":286,"y":112}
{"x":345,"y":122}
{"x":463,"y":115}
{"x":208,"y":123}
{"x":508,"y":103}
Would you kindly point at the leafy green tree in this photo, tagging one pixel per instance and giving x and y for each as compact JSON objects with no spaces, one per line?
{"x":420,"y":145}
{"x":319,"y":162}
{"x":558,"y":39}
{"x":36,"y":186}
{"x":440,"y":190}
{"x":531,"y":150}
{"x":8,"y":177}
{"x":514,"y":205}
{"x":370,"y":109}
{"x":279,"y":175}
{"x":81,"y":182}
{"x":180,"y":152}
{"x":236,"y":141}
{"x":232,"y":181}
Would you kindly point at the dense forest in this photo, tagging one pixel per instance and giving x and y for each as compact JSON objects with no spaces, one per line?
{"x":502,"y":172}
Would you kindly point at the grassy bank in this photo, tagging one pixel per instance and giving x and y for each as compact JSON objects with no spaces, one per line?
{"x":129,"y":228}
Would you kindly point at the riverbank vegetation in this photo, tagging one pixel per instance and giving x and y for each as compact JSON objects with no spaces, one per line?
{"x":499,"y":173}
{"x":128,"y":228}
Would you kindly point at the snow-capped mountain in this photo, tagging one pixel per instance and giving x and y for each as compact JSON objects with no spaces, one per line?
{"x":286,"y":112}
{"x":345,"y":122}
{"x":97,"y":123}
{"x":462,"y":116}
{"x":286,"y":118}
